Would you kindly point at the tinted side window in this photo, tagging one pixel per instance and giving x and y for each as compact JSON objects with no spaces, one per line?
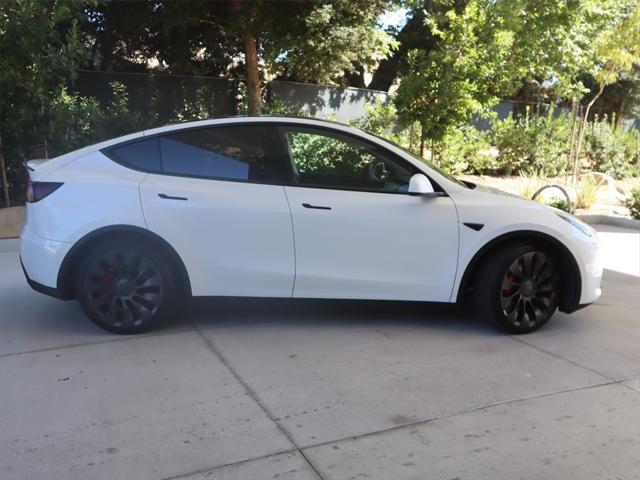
{"x":249,"y":152}
{"x":141,"y":155}
{"x":326,"y":159}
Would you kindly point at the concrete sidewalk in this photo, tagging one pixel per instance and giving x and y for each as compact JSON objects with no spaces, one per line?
{"x":259,"y":389}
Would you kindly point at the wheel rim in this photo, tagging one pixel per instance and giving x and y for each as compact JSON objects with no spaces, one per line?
{"x":528,"y":293}
{"x":124,"y":288}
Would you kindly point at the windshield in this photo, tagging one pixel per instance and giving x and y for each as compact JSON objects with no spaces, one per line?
{"x":446,"y":175}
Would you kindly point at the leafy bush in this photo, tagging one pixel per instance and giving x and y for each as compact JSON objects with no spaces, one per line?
{"x":633,"y":202}
{"x":559,"y":203}
{"x":466,"y":150}
{"x":462,"y":150}
{"x":586,"y":193}
{"x":75,"y":121}
{"x":275,"y":105}
{"x":631,"y":140}
{"x":382,"y":119}
{"x":315,"y":153}
{"x":614,"y":152}
{"x":532,"y":144}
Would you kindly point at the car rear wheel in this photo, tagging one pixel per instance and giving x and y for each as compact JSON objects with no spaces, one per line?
{"x":125,"y":286}
{"x":517,"y":288}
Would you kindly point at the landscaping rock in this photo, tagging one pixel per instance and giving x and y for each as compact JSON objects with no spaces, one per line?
{"x":11,"y":221}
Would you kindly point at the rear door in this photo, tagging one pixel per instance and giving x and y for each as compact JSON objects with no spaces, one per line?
{"x":218,"y":200}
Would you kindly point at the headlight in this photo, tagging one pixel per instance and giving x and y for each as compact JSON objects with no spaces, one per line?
{"x":583,"y":227}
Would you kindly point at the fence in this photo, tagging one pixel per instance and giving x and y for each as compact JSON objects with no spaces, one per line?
{"x":163,"y":95}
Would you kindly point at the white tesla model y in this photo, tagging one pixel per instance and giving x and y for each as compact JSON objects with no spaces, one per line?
{"x":290,"y":207}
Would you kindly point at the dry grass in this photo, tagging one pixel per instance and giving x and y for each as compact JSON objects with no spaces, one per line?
{"x":586,"y":193}
{"x":531,"y":184}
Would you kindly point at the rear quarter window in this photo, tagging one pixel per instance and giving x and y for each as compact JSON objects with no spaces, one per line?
{"x":140,"y":155}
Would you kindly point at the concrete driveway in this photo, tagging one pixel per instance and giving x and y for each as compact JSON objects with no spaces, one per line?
{"x":262,"y":389}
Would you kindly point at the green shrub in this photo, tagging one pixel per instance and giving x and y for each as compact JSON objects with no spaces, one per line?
{"x":75,"y":121}
{"x":465,"y":150}
{"x":275,"y":106}
{"x":633,"y":202}
{"x":559,"y":203}
{"x":631,"y":140}
{"x":614,"y":152}
{"x":532,"y":144}
{"x":382,"y":119}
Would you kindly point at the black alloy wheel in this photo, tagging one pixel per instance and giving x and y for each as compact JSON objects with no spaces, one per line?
{"x":517,"y":288}
{"x":528,"y":294}
{"x":125,"y":287}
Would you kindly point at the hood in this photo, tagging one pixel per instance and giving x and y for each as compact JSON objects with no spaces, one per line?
{"x":483,"y":188}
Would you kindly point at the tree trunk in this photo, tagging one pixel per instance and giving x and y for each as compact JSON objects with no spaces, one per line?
{"x":355,"y":78}
{"x":411,"y":135}
{"x":254,"y":93}
{"x":619,"y":115}
{"x":574,"y":114}
{"x":3,"y":177}
{"x":414,"y":34}
{"x":583,"y":127}
{"x":433,"y":151}
{"x":422,"y":141}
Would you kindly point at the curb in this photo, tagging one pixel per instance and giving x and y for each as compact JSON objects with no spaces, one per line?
{"x":610,"y":220}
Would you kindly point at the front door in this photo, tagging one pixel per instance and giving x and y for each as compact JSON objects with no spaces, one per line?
{"x":358,"y":234}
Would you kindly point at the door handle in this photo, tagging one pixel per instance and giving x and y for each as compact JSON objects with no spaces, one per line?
{"x":164,"y":196}
{"x":317,"y":207}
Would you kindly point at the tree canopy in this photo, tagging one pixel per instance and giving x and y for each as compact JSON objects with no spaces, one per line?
{"x":450,"y":61}
{"x":303,"y":41}
{"x":41,"y":50}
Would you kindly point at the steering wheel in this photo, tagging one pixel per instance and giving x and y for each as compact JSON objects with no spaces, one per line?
{"x":378,"y":172}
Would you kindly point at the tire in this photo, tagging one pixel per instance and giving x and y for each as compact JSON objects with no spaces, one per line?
{"x":517,"y":288}
{"x":126,"y":286}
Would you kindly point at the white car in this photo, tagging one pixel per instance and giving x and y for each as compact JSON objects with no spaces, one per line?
{"x":290,"y":207}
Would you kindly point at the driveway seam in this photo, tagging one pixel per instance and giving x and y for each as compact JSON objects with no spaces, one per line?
{"x":231,"y":464}
{"x":253,"y":394}
{"x":543,"y":350}
{"x":464,"y":412}
{"x":97,"y":342}
{"x":385,"y":430}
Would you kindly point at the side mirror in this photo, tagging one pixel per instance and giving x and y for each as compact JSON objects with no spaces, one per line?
{"x":419,"y":184}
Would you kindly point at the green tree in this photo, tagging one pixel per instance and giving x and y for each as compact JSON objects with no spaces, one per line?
{"x":621,"y":99}
{"x":305,"y":41}
{"x":615,"y":52}
{"x":489,"y":49}
{"x":457,"y":80}
{"x":41,"y":49}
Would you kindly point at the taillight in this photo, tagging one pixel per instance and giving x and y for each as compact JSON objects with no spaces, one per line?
{"x":36,"y":191}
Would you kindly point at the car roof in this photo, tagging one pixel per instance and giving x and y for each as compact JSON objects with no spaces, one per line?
{"x":252,"y":119}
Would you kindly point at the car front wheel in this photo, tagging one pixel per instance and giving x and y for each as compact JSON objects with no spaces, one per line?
{"x":517,"y":288}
